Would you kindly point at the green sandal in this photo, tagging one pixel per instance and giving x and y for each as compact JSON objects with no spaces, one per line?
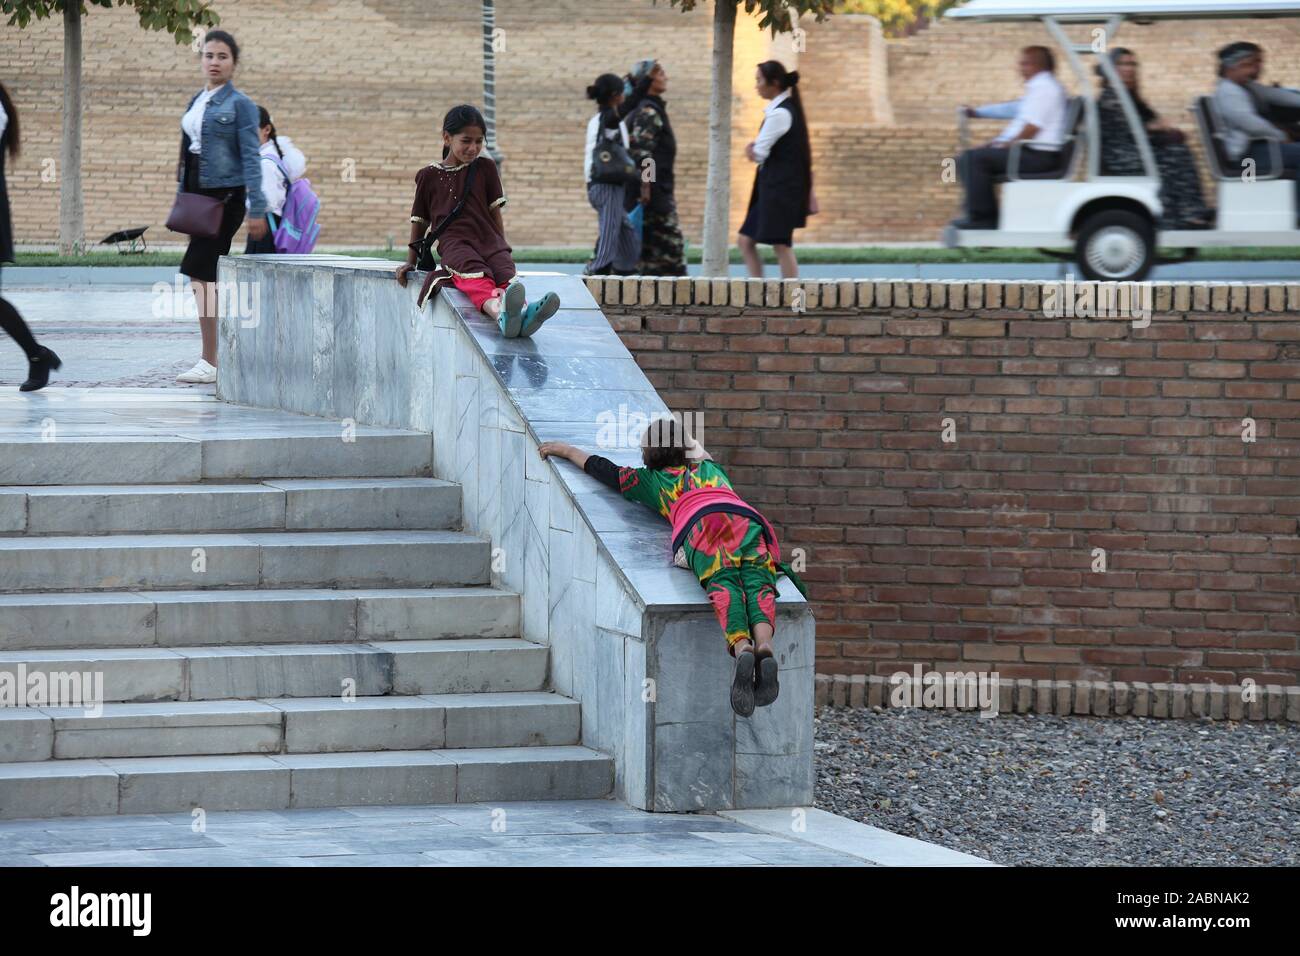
{"x":512,"y":309}
{"x":539,"y":312}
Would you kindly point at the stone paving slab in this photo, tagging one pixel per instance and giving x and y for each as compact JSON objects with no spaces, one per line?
{"x":530,"y":833}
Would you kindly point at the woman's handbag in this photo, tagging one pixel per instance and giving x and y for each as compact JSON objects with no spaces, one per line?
{"x":611,"y":164}
{"x":424,"y":259}
{"x":196,"y":215}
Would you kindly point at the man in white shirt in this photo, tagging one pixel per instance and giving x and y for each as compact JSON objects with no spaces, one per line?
{"x":1038,"y":118}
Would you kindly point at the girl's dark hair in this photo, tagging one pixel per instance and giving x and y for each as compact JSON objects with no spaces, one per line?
{"x":459,"y":118}
{"x":221,"y":36}
{"x":664,"y":443}
{"x":606,"y":87}
{"x":10,"y":141}
{"x":774,"y":72}
{"x":264,"y":119}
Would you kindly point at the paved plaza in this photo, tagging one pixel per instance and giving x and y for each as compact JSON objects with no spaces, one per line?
{"x":538,"y":833}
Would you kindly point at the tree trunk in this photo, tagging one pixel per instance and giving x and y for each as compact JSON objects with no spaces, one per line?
{"x":72,"y":224}
{"x":717,"y":200}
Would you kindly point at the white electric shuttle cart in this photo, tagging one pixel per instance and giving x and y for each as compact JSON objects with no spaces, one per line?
{"x":1108,"y":224}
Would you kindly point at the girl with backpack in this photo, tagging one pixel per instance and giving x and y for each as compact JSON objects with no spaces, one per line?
{"x":618,"y":243}
{"x":730,"y":547}
{"x":282,"y":164}
{"x":456,"y":219}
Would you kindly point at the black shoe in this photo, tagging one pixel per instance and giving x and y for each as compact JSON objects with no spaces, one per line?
{"x":40,"y":367}
{"x":767,"y":688}
{"x":742,"y":684}
{"x":974,"y":223}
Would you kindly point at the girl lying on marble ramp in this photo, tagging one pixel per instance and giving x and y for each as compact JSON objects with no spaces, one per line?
{"x":729,"y":545}
{"x":457,"y":216}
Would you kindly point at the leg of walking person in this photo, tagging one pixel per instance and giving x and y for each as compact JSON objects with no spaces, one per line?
{"x":40,"y":360}
{"x":789,"y":264}
{"x":205,"y":296}
{"x":200,"y":264}
{"x":749,"y":252}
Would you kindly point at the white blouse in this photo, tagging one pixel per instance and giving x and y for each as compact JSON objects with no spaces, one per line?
{"x":192,"y":121}
{"x":776,"y":123}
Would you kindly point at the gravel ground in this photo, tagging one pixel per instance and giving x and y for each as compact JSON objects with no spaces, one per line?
{"x":1039,"y":790}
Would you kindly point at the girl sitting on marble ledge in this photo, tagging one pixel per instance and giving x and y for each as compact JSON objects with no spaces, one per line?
{"x":460,"y":198}
{"x":729,"y":545}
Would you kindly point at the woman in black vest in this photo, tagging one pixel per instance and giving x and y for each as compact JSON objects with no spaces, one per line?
{"x":40,"y":359}
{"x":654,"y":148}
{"x":779,"y":202}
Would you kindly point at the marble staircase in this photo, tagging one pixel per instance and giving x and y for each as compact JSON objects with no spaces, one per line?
{"x":283,"y":613}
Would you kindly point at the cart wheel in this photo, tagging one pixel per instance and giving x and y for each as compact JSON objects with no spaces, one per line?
{"x":1116,"y":246}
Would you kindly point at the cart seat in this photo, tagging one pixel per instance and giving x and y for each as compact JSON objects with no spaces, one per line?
{"x":1213,"y":135}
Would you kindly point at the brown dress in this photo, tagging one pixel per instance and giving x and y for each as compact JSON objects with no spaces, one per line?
{"x":471,"y":248}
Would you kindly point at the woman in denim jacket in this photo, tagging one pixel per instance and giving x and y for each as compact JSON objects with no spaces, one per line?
{"x":219,"y":158}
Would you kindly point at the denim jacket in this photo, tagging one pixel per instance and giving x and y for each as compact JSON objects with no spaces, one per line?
{"x":229,"y":152}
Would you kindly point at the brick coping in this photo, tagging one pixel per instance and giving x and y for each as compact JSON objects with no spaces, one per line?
{"x":1088,"y":698}
{"x":958,"y":294}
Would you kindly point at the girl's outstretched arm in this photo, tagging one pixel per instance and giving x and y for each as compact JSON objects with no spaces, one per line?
{"x":563,"y":450}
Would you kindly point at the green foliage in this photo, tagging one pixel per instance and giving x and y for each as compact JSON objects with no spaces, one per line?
{"x":896,"y":16}
{"x":177,"y":17}
{"x":776,"y":13}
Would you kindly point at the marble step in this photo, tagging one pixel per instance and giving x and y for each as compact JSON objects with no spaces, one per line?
{"x":325,"y":450}
{"x":105,"y":619}
{"x":126,"y":675}
{"x":290,"y":725}
{"x":333,"y":504}
{"x":56,"y":788}
{"x":283,"y":559}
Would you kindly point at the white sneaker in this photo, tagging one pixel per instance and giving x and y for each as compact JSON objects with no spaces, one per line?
{"x":201,"y":374}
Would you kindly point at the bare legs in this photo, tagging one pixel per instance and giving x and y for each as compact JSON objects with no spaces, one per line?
{"x":754,"y":262}
{"x":749,"y":252}
{"x":761,"y":644}
{"x":789,"y":265}
{"x":205,"y":295}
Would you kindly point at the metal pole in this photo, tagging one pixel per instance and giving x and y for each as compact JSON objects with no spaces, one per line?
{"x":489,"y":81}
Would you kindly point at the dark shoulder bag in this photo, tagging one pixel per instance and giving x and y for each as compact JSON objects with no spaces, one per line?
{"x":610,"y":162}
{"x":193,"y":214}
{"x":424,"y":260}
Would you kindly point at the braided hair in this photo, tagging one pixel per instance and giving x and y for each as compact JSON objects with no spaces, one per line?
{"x":263,"y":121}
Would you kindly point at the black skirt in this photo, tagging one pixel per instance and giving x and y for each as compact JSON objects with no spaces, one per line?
{"x":260,"y":247}
{"x":201,"y":255}
{"x":777,"y":207}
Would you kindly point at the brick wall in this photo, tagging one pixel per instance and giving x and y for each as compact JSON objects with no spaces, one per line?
{"x":367,"y":81}
{"x":1071,"y":435}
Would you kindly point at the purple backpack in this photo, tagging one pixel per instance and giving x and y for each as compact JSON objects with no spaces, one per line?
{"x":297,"y":230}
